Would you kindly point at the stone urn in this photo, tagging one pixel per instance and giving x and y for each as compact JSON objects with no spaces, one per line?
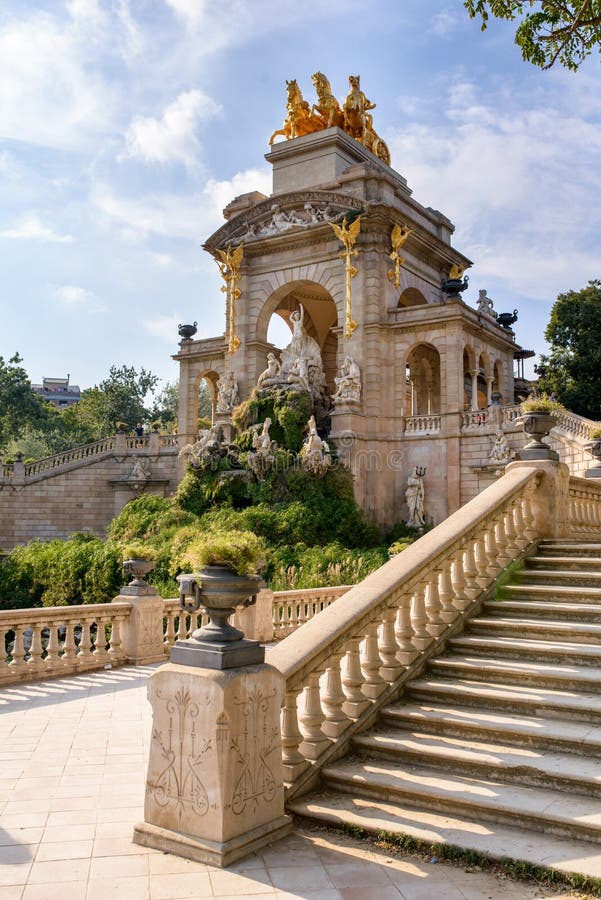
{"x":139,"y":569}
{"x":537,"y":426}
{"x":187,"y":332}
{"x":218,"y":591}
{"x":594,"y":448}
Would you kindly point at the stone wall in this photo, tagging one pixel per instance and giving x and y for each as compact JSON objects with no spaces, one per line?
{"x":83,"y":490}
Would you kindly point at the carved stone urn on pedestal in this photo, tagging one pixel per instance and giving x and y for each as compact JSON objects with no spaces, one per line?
{"x":537,"y":425}
{"x":139,"y":569}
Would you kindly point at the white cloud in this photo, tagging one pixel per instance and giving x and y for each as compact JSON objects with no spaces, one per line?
{"x":161,"y":259}
{"x":31,"y":229}
{"x":192,"y":217}
{"x":172,"y":138}
{"x":164,"y":327}
{"x":73,"y":295}
{"x":191,"y":11}
{"x":444,"y":22}
{"x":516,"y":174}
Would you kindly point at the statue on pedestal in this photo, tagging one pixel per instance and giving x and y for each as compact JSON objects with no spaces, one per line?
{"x":414,"y":495}
{"x":227,"y":393}
{"x":315,"y":452}
{"x":348,"y":383}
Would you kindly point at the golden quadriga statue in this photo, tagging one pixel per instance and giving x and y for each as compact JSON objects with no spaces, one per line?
{"x":354,"y":116}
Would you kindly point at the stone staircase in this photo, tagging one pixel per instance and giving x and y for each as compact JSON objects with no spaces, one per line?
{"x":497,"y":746}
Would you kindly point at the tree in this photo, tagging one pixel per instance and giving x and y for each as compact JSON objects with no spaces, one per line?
{"x":550,"y":30}
{"x":20,"y":407}
{"x":119,"y":398}
{"x":572,"y":367}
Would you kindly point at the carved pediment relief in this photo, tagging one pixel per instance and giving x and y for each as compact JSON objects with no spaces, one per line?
{"x":285,"y":214}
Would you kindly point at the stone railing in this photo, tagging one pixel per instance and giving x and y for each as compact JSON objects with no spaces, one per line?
{"x":291,"y":609}
{"x":511,"y":413}
{"x":474,"y":418}
{"x":574,"y":426}
{"x":69,"y":456}
{"x":344,"y":664}
{"x":422,"y":424}
{"x":584,"y":508}
{"x":61,"y":640}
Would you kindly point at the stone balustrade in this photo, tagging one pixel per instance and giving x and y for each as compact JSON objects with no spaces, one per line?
{"x":291,"y":609}
{"x":474,"y":418}
{"x":574,"y":426}
{"x":584,"y":508}
{"x":344,"y":664}
{"x":61,"y":640}
{"x":422,"y":424}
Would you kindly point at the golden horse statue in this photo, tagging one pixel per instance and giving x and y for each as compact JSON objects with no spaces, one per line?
{"x":358,"y":121}
{"x":299,"y":120}
{"x":327,"y":108}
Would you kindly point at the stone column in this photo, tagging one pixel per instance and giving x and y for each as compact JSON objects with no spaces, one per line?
{"x":474,"y":377}
{"x":214,"y":791}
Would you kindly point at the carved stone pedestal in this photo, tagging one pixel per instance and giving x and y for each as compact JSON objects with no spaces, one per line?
{"x":142,"y":635}
{"x":214,"y":790}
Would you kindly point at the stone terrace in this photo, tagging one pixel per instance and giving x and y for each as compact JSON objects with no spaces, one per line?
{"x":73,"y":757}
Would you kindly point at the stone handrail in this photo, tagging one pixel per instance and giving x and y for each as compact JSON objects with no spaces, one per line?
{"x":511,"y":413}
{"x":422,"y":424}
{"x":584,"y":505}
{"x":474,"y":418}
{"x":60,"y":640}
{"x":354,"y":657}
{"x":291,"y":609}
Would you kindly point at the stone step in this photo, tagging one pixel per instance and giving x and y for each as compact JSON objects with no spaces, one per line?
{"x":581,"y":654}
{"x":520,"y":698}
{"x":484,"y":723}
{"x":559,"y":578}
{"x":583,"y":633}
{"x":571,"y":611}
{"x":493,"y":840}
{"x":569,"y":548}
{"x":555,"y":593}
{"x":539,"y":809}
{"x":484,"y":759}
{"x":569,"y":563}
{"x":509,"y":671}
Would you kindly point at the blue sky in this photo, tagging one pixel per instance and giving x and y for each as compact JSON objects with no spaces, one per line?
{"x":127,"y":125}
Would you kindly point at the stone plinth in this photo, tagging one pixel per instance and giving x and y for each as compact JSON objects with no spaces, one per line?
{"x":142,"y":637}
{"x":214,"y":790}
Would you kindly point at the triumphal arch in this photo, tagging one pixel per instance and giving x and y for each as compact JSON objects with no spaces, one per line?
{"x":368,"y":280}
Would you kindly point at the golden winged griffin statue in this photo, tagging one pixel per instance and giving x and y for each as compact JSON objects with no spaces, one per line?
{"x":353,"y":116}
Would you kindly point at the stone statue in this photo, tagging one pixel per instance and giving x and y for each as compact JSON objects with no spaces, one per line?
{"x":315,"y":453}
{"x":299,"y":374}
{"x":207,"y":450}
{"x":227,"y":393}
{"x":414,"y":495}
{"x":348,"y":383}
{"x":305,"y":348}
{"x":260,"y":459}
{"x":140,"y":470}
{"x":270,"y":376}
{"x":485,"y":304}
{"x":500,"y":451}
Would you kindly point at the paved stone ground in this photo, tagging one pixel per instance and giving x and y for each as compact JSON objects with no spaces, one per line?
{"x":73,"y":757}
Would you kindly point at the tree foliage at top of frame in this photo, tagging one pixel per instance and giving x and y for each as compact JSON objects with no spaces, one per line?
{"x":549,"y":31}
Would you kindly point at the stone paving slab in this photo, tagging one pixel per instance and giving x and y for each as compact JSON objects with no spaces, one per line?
{"x":73,"y":757}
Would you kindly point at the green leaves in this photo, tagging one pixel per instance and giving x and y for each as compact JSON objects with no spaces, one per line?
{"x":550,"y":31}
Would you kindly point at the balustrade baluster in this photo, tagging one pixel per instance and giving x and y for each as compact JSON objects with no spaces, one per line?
{"x":68,"y":654}
{"x":389,"y":648}
{"x":419,"y":619}
{"x":404,"y":632}
{"x":481,"y":560}
{"x":35,"y":662}
{"x":493,"y":566}
{"x":115,"y":639}
{"x":435,"y":624}
{"x":503,"y":556}
{"x":311,"y":719}
{"x":371,"y":664}
{"x":521,"y":540}
{"x":352,"y":682}
{"x":100,"y":642}
{"x":169,"y":635}
{"x":85,"y":643}
{"x":51,"y":647}
{"x":17,"y":652}
{"x":470,"y":571}
{"x":182,"y":627}
{"x":530,"y":528}
{"x":333,"y":698}
{"x":512,"y":548}
{"x":446,"y":594}
{"x":293,"y":761}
